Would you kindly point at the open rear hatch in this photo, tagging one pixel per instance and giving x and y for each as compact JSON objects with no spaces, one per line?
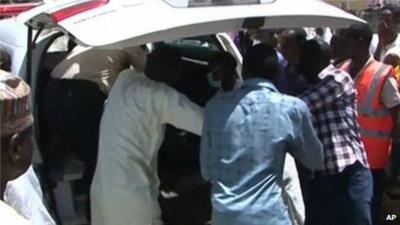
{"x":117,"y":23}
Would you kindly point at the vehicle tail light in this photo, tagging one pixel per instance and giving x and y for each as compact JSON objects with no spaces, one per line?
{"x":76,"y":9}
{"x":7,"y":10}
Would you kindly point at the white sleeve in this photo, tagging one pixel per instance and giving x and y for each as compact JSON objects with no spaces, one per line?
{"x":292,"y":195}
{"x":374,"y":44}
{"x":180,"y":112}
{"x":10,"y":216}
{"x":390,"y":95}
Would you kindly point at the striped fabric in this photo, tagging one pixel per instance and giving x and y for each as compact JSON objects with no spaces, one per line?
{"x":333,"y":104}
{"x":15,"y":105}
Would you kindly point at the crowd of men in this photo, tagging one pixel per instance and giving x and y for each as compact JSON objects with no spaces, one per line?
{"x":334,"y":108}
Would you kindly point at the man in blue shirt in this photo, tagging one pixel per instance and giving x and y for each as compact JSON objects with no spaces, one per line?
{"x":246,"y":135}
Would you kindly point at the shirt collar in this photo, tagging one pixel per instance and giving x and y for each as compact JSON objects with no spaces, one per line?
{"x":139,"y":75}
{"x":260,"y":83}
{"x":327,"y":71}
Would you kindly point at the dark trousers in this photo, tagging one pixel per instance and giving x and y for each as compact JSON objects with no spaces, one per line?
{"x":379,"y":188}
{"x":304,"y":178}
{"x":394,"y":166}
{"x":343,"y":199}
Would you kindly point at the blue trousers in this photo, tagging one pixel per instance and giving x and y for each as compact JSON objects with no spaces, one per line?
{"x":343,"y":199}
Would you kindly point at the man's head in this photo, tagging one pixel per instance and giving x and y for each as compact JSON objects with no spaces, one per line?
{"x":266,"y":36}
{"x":314,"y":58}
{"x":16,"y":128}
{"x":338,"y":42}
{"x":290,"y":41}
{"x":357,"y":41}
{"x":222,"y":71}
{"x":164,"y":64}
{"x":260,"y":61}
{"x":388,"y":23}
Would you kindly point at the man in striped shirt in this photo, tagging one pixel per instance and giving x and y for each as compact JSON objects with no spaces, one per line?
{"x":344,"y":185}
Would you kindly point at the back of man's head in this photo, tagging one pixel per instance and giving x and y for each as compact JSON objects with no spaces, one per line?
{"x":299,"y":35}
{"x":314,"y":58}
{"x":290,"y":41}
{"x":362,"y":33}
{"x":316,"y":49}
{"x":260,"y":61}
{"x":225,"y":64}
{"x":223,"y":59}
{"x":164,"y":64}
{"x":338,"y":44}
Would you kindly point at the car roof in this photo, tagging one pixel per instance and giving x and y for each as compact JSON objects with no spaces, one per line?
{"x":120,"y":23}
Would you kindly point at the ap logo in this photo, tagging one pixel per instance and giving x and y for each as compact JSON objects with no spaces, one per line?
{"x":391,"y":217}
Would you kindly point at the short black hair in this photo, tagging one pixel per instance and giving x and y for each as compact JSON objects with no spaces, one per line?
{"x":299,"y":34}
{"x":161,"y":61}
{"x":223,"y":59}
{"x":260,"y":61}
{"x":361,"y":32}
{"x":316,"y":49}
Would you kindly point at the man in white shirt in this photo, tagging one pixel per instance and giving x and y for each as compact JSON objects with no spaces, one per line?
{"x":125,"y":184}
{"x":11,"y":216}
{"x":20,"y":188}
{"x":387,"y":36}
{"x":74,"y":101}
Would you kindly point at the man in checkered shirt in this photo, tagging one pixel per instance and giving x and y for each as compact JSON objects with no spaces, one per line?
{"x":344,"y":185}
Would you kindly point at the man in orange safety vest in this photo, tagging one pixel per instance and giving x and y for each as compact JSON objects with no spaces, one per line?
{"x":378,"y":105}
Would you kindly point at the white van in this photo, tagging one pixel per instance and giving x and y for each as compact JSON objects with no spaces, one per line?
{"x":192,"y":26}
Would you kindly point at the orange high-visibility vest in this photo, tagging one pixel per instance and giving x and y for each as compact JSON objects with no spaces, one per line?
{"x":397,"y":72}
{"x":376,"y":122}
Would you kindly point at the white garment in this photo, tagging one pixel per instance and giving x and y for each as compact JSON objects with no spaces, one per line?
{"x":374,"y":45}
{"x":10,"y":217}
{"x":292,"y":195}
{"x":25,"y":196}
{"x":125,"y":185}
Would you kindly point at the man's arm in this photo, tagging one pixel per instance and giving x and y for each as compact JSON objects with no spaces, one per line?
{"x":390,"y":98}
{"x":306,"y":146}
{"x":180,"y":112}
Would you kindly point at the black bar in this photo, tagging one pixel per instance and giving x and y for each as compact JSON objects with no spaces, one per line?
{"x":29,"y":57}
